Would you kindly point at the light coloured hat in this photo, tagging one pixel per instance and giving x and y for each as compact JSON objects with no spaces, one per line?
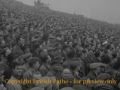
{"x":42,"y":82}
{"x":28,"y":74}
{"x":96,"y":65}
{"x":37,"y":75}
{"x":37,"y":88}
{"x":81,"y":87}
{"x":66,"y":70}
{"x":103,"y":76}
{"x":14,"y":87}
{"x":57,"y":67}
{"x":43,"y":67}
{"x":67,"y":74}
{"x":67,"y":88}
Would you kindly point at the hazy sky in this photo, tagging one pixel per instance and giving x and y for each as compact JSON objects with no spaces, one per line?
{"x":105,"y":10}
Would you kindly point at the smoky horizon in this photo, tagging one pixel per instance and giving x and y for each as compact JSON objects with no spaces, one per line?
{"x":103,"y":10}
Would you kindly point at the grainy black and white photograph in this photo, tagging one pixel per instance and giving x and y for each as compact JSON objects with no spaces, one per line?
{"x":59,"y":44}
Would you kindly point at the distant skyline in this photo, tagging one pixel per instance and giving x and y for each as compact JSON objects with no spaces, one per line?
{"x":104,"y":10}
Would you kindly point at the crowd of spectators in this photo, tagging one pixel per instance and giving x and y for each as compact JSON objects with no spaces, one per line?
{"x":52,"y":45}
